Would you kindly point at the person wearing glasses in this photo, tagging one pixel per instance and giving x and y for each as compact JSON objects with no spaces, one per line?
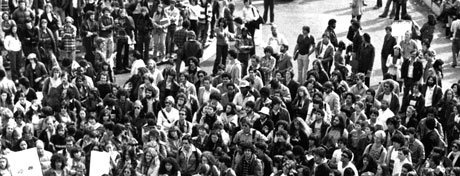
{"x":346,"y":162}
{"x":184,"y":126}
{"x":168,"y":115}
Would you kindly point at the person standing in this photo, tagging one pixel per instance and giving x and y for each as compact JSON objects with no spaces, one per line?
{"x":14,"y":48}
{"x":125,"y":33}
{"x":89,"y":30}
{"x":269,"y":5}
{"x":161,"y":22}
{"x":455,"y":26}
{"x":325,"y":53}
{"x":366,"y":57}
{"x":69,"y":35}
{"x":330,"y":30}
{"x":411,"y":72}
{"x":275,"y":40}
{"x":106,"y":24}
{"x":21,"y":15}
{"x":222,"y":36}
{"x":357,"y":9}
{"x":304,"y":48}
{"x":144,"y":27}
{"x":387,"y":49}
{"x":175,"y":19}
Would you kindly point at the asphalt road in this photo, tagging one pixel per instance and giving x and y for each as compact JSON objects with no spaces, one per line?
{"x":290,"y":16}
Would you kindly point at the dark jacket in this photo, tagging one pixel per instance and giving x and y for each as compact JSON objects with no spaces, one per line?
{"x":255,"y":167}
{"x":332,"y":36}
{"x":418,"y":70}
{"x":388,"y":43}
{"x":437,"y":94}
{"x":144,"y":24}
{"x":366,"y":56}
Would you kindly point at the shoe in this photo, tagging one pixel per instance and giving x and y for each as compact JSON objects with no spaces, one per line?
{"x":364,"y":4}
{"x":382,"y":16}
{"x":454,"y":65}
{"x":377,"y":7}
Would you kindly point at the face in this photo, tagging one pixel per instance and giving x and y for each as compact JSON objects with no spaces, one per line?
{"x":3,"y":163}
{"x":168,"y":166}
{"x":23,"y":145}
{"x":182,"y":115}
{"x":61,"y":132}
{"x":58,"y":165}
{"x":247,"y":153}
{"x":186,"y":144}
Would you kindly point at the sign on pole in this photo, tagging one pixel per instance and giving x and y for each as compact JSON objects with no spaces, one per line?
{"x":100,"y":163}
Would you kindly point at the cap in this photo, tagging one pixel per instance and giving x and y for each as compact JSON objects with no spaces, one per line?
{"x":244,"y":83}
{"x":265,"y":111}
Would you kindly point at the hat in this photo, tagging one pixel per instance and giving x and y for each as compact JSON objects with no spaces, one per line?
{"x":244,"y":83}
{"x":265,"y":111}
{"x":170,"y":99}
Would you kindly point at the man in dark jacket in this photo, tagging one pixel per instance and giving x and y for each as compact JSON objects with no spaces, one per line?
{"x":322,"y":168}
{"x":330,"y":30}
{"x":410,"y":79}
{"x":191,"y":48}
{"x":387,"y":49}
{"x":144,"y":27}
{"x":30,"y":38}
{"x":253,"y":165}
{"x":431,"y":92}
{"x":21,"y":15}
{"x":366,"y":56}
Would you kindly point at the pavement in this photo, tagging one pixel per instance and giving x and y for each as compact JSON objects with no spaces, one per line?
{"x":290,"y":16}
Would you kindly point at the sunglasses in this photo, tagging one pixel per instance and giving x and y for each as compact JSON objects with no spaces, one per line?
{"x":137,"y":107}
{"x":182,"y":114}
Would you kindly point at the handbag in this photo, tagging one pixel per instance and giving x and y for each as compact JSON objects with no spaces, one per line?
{"x":259,"y":20}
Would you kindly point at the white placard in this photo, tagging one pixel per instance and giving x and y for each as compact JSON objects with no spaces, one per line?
{"x":25,"y":163}
{"x":100,"y":163}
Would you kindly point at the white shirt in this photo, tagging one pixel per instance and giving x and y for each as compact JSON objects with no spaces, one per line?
{"x":429,"y":96}
{"x":350,"y":165}
{"x":12,"y":43}
{"x":250,"y":14}
{"x":383,"y":116}
{"x":206,"y":95}
{"x":387,"y":97}
{"x":170,"y":118}
{"x":275,"y":42}
{"x":410,"y":70}
{"x":397,"y":167}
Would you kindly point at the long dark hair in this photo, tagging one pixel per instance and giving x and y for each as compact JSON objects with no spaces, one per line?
{"x":174,"y":169}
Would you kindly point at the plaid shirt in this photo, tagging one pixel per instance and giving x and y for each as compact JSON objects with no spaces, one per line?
{"x":180,"y":36}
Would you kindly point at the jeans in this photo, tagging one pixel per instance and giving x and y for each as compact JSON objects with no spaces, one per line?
{"x":108,"y":46}
{"x":16,"y":62}
{"x":303,"y":62}
{"x":269,"y":5}
{"x":221,"y":57}
{"x":387,"y":8}
{"x":122,"y":54}
{"x":401,"y":7}
{"x":455,"y":50}
{"x":244,"y":59}
{"x":170,"y":39}
{"x":88,"y":43}
{"x":202,"y":35}
{"x":143,"y":44}
{"x":383,"y":60}
{"x":159,"y":43}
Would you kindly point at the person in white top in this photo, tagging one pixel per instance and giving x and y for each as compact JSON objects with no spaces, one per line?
{"x":275,"y":40}
{"x":345,"y":162}
{"x":168,"y":115}
{"x":13,"y":46}
{"x":384,"y":114}
{"x":403,"y":158}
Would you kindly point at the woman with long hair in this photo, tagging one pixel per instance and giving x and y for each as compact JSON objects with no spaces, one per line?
{"x":149,"y":163}
{"x":169,"y":167}
{"x":339,"y":82}
{"x":367,"y":164}
{"x":223,"y":37}
{"x":453,"y":124}
{"x":394,"y":63}
{"x":160,"y":23}
{"x":299,"y":132}
{"x":456,"y":89}
{"x":215,"y":144}
{"x":50,"y":88}
{"x":14,"y":47}
{"x":318,"y":68}
{"x":335,"y":131}
{"x":230,"y":117}
{"x":301,"y":102}
{"x":208,"y":165}
{"x":409,"y":119}
{"x":174,"y":136}
{"x":47,"y":45}
{"x":446,"y":105}
{"x":6,"y":100}
{"x":58,"y":166}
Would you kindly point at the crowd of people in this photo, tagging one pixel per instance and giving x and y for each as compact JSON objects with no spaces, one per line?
{"x":251,"y":115}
